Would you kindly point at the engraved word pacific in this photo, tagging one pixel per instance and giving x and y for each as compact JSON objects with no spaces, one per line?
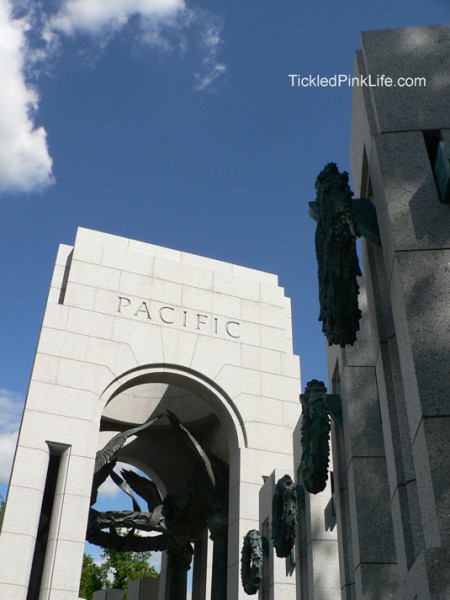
{"x":179,"y":317}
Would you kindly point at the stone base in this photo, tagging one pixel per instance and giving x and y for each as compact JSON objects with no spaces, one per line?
{"x":108,"y":595}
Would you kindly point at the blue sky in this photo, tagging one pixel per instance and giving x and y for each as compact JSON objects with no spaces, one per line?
{"x":174,"y":123}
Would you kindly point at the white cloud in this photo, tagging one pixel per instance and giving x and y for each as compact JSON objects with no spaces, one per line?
{"x":25,"y":163}
{"x":96,"y":16}
{"x":11,"y":407}
{"x":161,"y":24}
{"x":29,"y":44}
{"x":212,"y":68}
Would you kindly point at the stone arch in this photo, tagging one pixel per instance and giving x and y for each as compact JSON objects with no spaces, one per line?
{"x":213,"y":395}
{"x":171,"y":472}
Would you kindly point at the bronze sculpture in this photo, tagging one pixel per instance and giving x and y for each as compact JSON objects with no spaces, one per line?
{"x":177,"y":520}
{"x":315,"y":433}
{"x":338,"y":265}
{"x":284,"y":516}
{"x":252,"y":562}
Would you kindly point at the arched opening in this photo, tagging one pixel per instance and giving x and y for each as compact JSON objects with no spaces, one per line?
{"x":188,"y":456}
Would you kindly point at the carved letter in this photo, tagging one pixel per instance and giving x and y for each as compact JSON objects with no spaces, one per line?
{"x":161,"y":314}
{"x":144,"y":309}
{"x":199,"y":321}
{"x":215,"y":324}
{"x":184,"y":317}
{"x":227,"y":327}
{"x":121,"y":305}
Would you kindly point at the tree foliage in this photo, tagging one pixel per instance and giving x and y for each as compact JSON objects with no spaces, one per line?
{"x":93,"y":578}
{"x":116,"y":571}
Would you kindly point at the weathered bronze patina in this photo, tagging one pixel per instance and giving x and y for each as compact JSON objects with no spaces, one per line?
{"x":338,"y":265}
{"x":284,"y":516}
{"x":178,"y":519}
{"x":252,"y":562}
{"x":315,"y":434}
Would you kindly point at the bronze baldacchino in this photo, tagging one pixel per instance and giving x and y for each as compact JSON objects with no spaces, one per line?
{"x":178,"y":520}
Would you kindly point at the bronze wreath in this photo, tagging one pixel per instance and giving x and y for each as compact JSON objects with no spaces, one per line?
{"x":284,"y":516}
{"x":252,"y":562}
{"x":315,"y":437}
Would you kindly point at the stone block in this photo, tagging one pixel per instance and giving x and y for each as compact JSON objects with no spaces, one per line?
{"x":88,"y":236}
{"x":255,"y":275}
{"x":63,"y":343}
{"x":74,"y":516}
{"x":274,"y":339}
{"x":206,"y":263}
{"x":64,"y":252}
{"x":24,"y":504}
{"x":85,"y":376}
{"x":202,"y":299}
{"x":79,"y":475}
{"x":370,"y":510}
{"x":315,"y":517}
{"x":291,"y":413}
{"x":149,"y":288}
{"x":410,"y":215}
{"x":421,"y":311}
{"x":153,"y":250}
{"x":376,"y":581}
{"x":255,"y":464}
{"x":70,"y":402}
{"x":362,"y":353}
{"x":236,"y":286}
{"x":126,"y":260}
{"x":58,"y":276}
{"x":54,"y":295}
{"x":380,"y":312}
{"x":361,"y":412}
{"x":431,"y":449}
{"x":39,"y":427}
{"x":290,"y":366}
{"x":16,"y":557}
{"x":66,"y":567}
{"x":144,"y":588}
{"x":94,"y":275}
{"x":409,"y":52}
{"x":24,"y":475}
{"x":116,"y":356}
{"x":210,"y":354}
{"x":110,"y":594}
{"x":324,"y":560}
{"x":261,"y":359}
{"x":90,"y":323}
{"x":248,"y":498}
{"x":237,"y":381}
{"x":183,"y":273}
{"x":56,"y":316}
{"x":272,"y":295}
{"x":274,"y":438}
{"x":280,"y":387}
{"x":45,"y":368}
{"x":363,"y":125}
{"x":397,"y":441}
{"x":80,"y":296}
{"x":265,"y":314}
{"x":261,"y":409}
{"x":402,"y":519}
{"x":90,"y":252}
